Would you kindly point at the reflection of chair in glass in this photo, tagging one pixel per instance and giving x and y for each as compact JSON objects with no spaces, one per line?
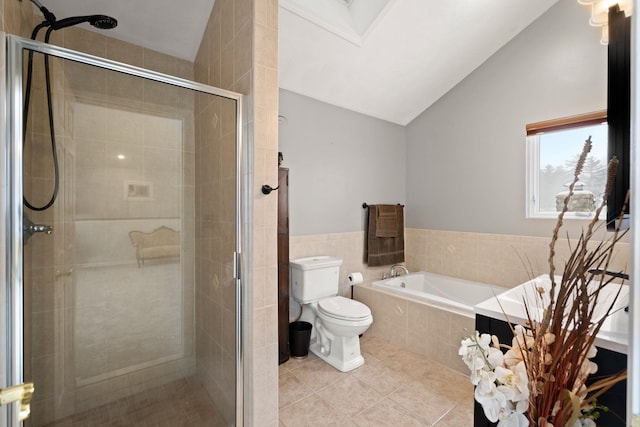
{"x":162,"y":242}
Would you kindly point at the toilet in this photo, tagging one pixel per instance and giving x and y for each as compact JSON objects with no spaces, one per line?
{"x":337,"y":321}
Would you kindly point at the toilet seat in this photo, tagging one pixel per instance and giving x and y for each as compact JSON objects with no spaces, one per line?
{"x":344,"y":309}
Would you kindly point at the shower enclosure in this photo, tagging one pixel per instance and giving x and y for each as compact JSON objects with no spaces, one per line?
{"x":123,"y":296}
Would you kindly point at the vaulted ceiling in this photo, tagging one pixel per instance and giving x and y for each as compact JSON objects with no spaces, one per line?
{"x":389,"y":59}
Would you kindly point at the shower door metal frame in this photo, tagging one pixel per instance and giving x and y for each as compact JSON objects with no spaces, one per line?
{"x":13,"y":196}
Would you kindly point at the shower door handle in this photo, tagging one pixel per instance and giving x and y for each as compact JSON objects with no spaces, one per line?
{"x":22,"y":393}
{"x":29,"y":228}
{"x":41,"y":228}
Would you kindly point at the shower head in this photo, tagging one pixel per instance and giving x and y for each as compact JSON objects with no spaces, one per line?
{"x":102,"y":22}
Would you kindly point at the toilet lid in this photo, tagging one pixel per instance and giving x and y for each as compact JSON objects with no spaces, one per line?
{"x":344,"y":308}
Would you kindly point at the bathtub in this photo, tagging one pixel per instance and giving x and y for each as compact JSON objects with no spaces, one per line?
{"x":425,"y":313}
{"x":449,"y":293}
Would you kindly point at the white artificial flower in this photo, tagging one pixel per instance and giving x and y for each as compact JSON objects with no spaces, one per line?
{"x":514,"y":419}
{"x":584,"y":422}
{"x":520,"y":384}
{"x":472,"y":355}
{"x":492,"y":400}
{"x":504,"y":375}
{"x":486,"y":381}
{"x":495,"y":357}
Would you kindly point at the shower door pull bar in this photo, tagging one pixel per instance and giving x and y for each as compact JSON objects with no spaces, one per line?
{"x":236,"y":265}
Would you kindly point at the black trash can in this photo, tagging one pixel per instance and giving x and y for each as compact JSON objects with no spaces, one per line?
{"x":299,"y":339}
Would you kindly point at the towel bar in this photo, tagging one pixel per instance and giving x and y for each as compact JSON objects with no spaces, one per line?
{"x":365,"y":205}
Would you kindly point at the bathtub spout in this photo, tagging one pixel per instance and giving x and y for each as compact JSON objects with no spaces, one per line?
{"x":394,"y":267}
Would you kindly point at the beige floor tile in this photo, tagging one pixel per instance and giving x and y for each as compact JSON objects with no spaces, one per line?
{"x":183,"y":402}
{"x":283,"y":368}
{"x":409,"y":364}
{"x":387,"y":413}
{"x":394,"y":387}
{"x":376,"y":347}
{"x":317,"y":374}
{"x":311,"y":412}
{"x":425,"y":404}
{"x":383,"y":379}
{"x":449,"y":384}
{"x":294,"y":363}
{"x":351,"y":396}
{"x":460,"y":415}
{"x":291,"y":389}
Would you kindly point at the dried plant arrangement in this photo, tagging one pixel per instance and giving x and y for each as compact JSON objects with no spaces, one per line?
{"x":541,"y":380}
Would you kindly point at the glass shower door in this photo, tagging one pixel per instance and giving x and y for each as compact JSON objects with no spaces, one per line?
{"x":129,"y":281}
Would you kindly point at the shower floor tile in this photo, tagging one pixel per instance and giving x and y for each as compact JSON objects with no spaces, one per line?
{"x":394,"y":387}
{"x":180,"y":403}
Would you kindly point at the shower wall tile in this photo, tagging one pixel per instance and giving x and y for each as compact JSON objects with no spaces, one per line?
{"x":125,"y":126}
{"x":17,"y":17}
{"x":85,"y":41}
{"x":228,"y":58}
{"x":160,"y":62}
{"x":224,"y":59}
{"x":230,"y":61}
{"x":91,"y":148}
{"x":122,"y":51}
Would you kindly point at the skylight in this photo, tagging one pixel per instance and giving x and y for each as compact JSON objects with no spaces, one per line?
{"x":351,"y":20}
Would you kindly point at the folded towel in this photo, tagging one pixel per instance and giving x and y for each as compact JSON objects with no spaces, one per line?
{"x":384,"y":250}
{"x":387,"y":221}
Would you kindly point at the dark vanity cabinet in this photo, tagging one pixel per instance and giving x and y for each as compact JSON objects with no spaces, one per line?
{"x":609,"y":363}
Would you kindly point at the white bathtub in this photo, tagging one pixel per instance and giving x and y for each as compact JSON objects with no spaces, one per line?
{"x":452,"y":294}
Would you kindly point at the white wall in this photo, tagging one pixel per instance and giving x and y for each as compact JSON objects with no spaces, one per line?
{"x":466,"y":153}
{"x":337,"y":160}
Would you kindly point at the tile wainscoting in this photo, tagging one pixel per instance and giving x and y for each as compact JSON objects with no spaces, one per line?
{"x":500,"y":259}
{"x":505,"y":260}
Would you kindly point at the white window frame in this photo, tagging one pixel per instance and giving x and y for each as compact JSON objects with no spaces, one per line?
{"x":532,"y":169}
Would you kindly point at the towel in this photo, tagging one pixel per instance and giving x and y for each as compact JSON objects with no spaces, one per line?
{"x":387,"y":221}
{"x":386,"y":249}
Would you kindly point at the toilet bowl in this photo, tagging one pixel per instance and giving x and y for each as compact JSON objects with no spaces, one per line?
{"x":337,"y":321}
{"x":337,"y":331}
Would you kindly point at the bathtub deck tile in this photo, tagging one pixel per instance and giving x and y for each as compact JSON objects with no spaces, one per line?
{"x":394,"y":387}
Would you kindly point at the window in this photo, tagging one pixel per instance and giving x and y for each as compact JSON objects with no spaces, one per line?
{"x":553,"y":148}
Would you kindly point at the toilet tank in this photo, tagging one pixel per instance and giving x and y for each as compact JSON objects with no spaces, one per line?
{"x":314,"y":277}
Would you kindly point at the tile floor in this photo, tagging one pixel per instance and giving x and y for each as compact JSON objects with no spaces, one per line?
{"x":394,"y":387}
{"x":180,"y":403}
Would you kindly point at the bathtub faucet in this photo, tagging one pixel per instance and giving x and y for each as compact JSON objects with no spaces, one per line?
{"x":394,"y":267}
